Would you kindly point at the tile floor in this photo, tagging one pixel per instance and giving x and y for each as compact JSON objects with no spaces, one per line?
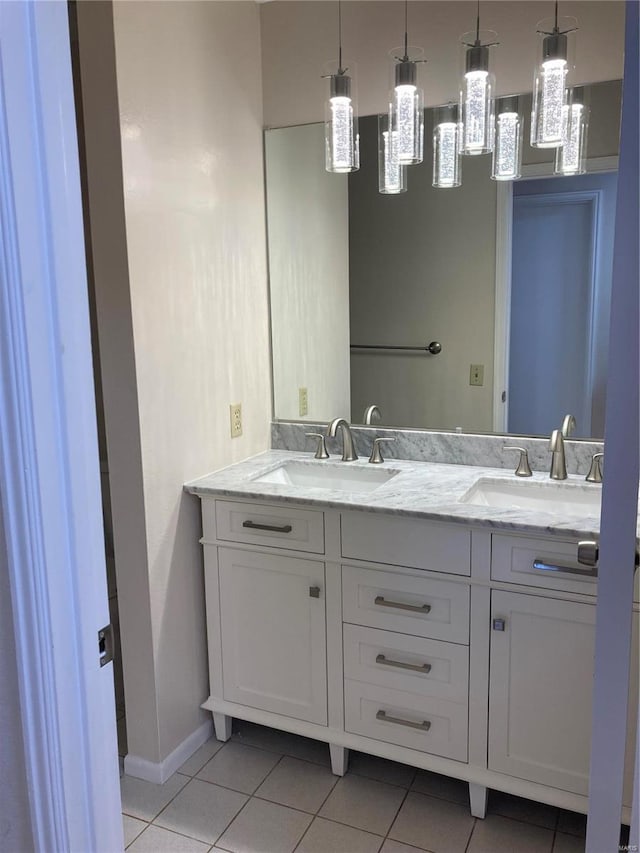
{"x":269,"y":792}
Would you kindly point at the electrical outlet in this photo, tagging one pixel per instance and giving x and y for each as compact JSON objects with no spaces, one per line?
{"x":303,"y":402}
{"x":476,"y":374}
{"x":235,"y":411}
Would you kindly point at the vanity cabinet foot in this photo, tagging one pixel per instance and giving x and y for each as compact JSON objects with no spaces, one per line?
{"x":478,"y":799}
{"x":222,"y":724}
{"x":339,"y":759}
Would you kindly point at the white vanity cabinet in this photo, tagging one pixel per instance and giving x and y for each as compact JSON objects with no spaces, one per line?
{"x":540,"y":690}
{"x":448,"y":647}
{"x":273,"y":632}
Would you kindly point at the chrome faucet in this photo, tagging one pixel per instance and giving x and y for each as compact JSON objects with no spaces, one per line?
{"x":348,"y":451}
{"x":558,"y":461}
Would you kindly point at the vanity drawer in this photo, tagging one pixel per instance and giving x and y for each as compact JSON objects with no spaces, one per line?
{"x":406,"y":542}
{"x":540,"y":563}
{"x":428,"y":724}
{"x":420,"y":606}
{"x":263,"y":524}
{"x":412,"y":664}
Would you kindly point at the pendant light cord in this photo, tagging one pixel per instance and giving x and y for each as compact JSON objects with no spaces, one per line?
{"x":555,"y":28}
{"x":478,"y":24}
{"x":340,"y":68}
{"x":406,"y":29}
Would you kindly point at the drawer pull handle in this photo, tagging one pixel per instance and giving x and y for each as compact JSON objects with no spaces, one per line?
{"x":424,"y":726}
{"x":542,"y":566}
{"x":414,"y":667}
{"x":381,"y":601}
{"x":275,"y":528}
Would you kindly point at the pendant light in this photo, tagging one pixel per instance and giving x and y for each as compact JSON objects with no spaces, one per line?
{"x":446,"y":147}
{"x":407,"y":111}
{"x":476,"y":90}
{"x":507,"y":148}
{"x":392,"y":177}
{"x":342,"y":141}
{"x":550,"y":81}
{"x":571,"y":157}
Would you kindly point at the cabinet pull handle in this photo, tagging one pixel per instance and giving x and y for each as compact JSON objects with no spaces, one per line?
{"x":414,"y":667}
{"x":424,"y":726}
{"x":381,"y":601}
{"x":542,"y":566}
{"x":253,"y":525}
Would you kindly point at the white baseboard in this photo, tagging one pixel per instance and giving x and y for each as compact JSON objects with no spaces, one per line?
{"x":159,"y":772}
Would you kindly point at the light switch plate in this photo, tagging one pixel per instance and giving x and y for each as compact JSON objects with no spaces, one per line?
{"x":235,"y":412}
{"x":303,"y":402}
{"x":476,"y":374}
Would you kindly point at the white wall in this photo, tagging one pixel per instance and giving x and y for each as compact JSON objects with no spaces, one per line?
{"x":181,"y":281}
{"x":298,"y":37}
{"x":189,"y":87}
{"x":308,"y":216}
{"x":15,"y":817}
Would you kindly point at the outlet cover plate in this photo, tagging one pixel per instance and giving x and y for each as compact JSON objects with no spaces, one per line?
{"x":303,"y":402}
{"x":476,"y":374}
{"x":235,"y":414}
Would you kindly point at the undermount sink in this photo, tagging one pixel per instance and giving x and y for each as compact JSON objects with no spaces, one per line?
{"x":340,"y":477}
{"x":555,"y":497}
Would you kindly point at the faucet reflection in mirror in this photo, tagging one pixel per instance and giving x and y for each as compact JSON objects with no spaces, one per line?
{"x":342,"y":140}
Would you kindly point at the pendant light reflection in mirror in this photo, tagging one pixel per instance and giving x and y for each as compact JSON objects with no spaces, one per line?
{"x":447,"y":132}
{"x":392,"y":177}
{"x":342,"y":139}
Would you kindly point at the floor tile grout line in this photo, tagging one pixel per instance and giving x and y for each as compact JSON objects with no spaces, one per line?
{"x":473,"y":829}
{"x":173,"y":832}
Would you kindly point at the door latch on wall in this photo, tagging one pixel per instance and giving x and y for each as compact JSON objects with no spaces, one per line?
{"x":105,"y":644}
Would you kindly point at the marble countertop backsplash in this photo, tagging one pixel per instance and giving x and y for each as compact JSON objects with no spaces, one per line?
{"x":419,"y":489}
{"x":444,"y":447}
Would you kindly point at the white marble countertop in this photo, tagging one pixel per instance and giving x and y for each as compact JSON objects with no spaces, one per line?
{"x":419,"y":489}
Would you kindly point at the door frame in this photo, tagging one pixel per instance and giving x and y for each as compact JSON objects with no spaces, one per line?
{"x":49,"y":461}
{"x":504,"y":248}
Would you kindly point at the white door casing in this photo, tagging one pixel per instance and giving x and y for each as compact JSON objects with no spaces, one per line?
{"x":49,"y":467}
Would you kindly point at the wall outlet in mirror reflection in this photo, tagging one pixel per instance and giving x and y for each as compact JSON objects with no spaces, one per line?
{"x":303,"y":402}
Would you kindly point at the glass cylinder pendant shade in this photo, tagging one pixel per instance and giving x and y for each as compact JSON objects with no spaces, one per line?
{"x":407,"y":112}
{"x":571,"y":157}
{"x":342,"y":140}
{"x":446,"y":148}
{"x":507,"y":146}
{"x":392,"y":177}
{"x":551,"y":78}
{"x":477,"y":93}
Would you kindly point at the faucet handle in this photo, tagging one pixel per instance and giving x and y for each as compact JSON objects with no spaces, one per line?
{"x":523,"y":469}
{"x":321,"y":449}
{"x":376,"y":456}
{"x":595,"y":471}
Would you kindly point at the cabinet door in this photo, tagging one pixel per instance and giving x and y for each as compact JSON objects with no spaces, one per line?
{"x":541,"y":681}
{"x":273,"y":633}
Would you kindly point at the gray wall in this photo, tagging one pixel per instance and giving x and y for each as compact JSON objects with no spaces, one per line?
{"x":15,"y":818}
{"x":422,"y":268}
